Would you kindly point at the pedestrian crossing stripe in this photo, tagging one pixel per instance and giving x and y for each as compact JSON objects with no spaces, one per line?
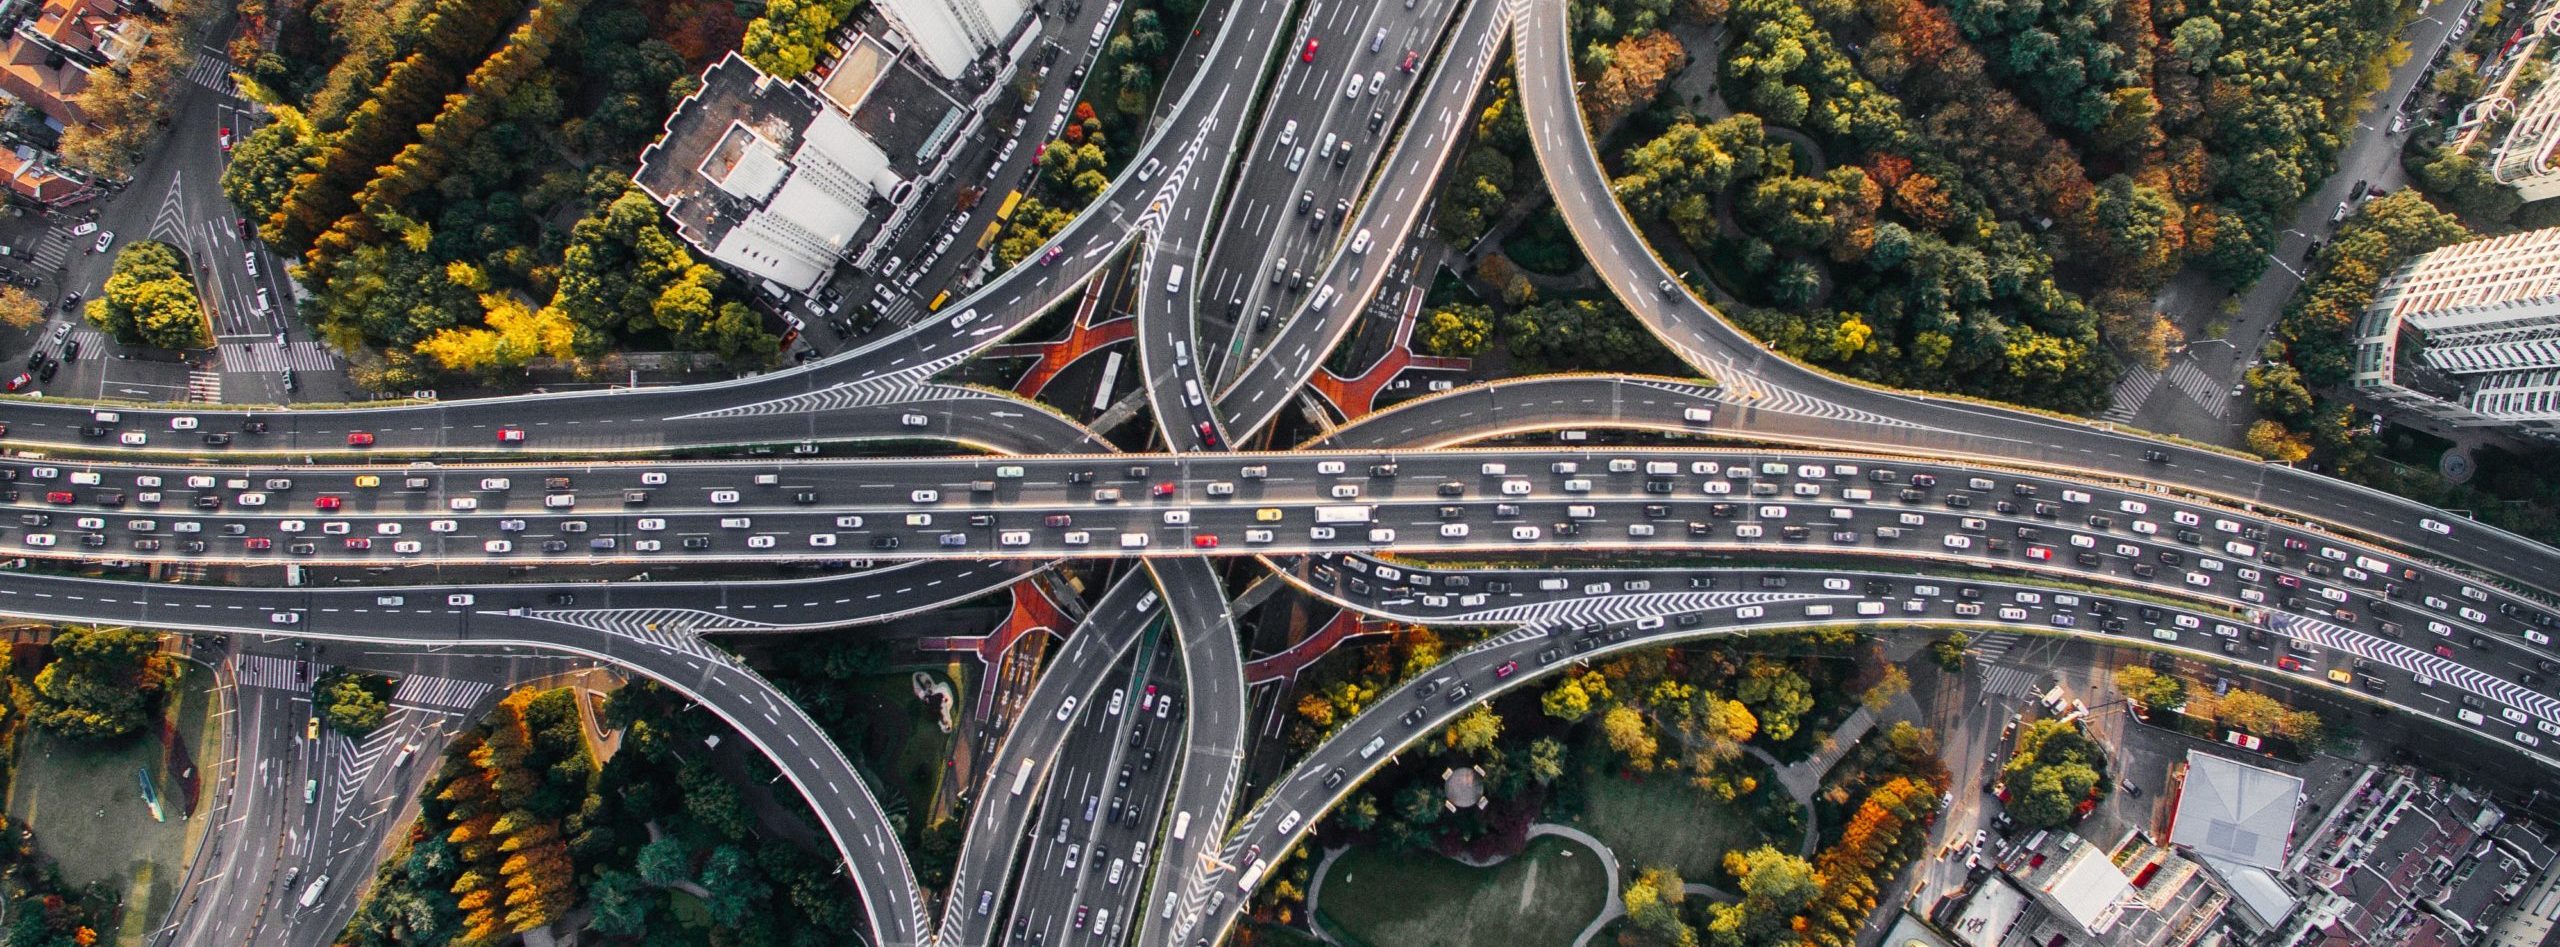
{"x":2131,"y":391}
{"x":2206,"y":392}
{"x":205,"y":387}
{"x":270,"y":357}
{"x":269,"y":671}
{"x":213,"y":72}
{"x":421,"y":690}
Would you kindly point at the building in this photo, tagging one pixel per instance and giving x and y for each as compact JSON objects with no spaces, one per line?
{"x":2075,"y":882}
{"x":2525,"y":156}
{"x":766,"y":176}
{"x":2531,"y":916}
{"x":2411,"y":860}
{"x":2233,"y":812}
{"x":2059,"y":889}
{"x":950,"y":35}
{"x":46,"y":59}
{"x":2469,"y":335}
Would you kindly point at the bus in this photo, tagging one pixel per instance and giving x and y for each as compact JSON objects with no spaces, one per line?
{"x":311,"y":895}
{"x":1342,"y":514}
{"x":1022,"y":778}
{"x":988,"y":238}
{"x":938,"y":300}
{"x":1004,"y":211}
{"x":1181,"y":824}
{"x":1110,"y":377}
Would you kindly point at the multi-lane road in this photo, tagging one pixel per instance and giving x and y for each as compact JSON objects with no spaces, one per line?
{"x":1105,"y":813}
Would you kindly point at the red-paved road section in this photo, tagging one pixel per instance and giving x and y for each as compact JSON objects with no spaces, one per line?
{"x":1356,"y":397}
{"x":1286,"y":664}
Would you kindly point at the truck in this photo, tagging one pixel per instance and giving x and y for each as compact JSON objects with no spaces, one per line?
{"x":1343,"y":514}
{"x":311,"y":895}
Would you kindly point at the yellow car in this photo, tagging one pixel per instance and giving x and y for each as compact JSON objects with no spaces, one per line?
{"x":1268,"y":514}
{"x":311,"y":731}
{"x":368,"y":481}
{"x":2342,"y":676}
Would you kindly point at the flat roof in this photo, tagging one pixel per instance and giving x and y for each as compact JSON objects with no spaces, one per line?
{"x":2089,"y":887}
{"x":2235,"y":812}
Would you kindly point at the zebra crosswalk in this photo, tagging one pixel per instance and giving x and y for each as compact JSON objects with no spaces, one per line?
{"x":271,"y":357}
{"x":1991,"y":645}
{"x":438,"y":693}
{"x":2206,"y":392}
{"x":89,"y":339}
{"x":269,"y":671}
{"x":52,"y":249}
{"x":212,"y":71}
{"x":204,"y":387}
{"x":2132,"y":390}
{"x":2008,"y":681}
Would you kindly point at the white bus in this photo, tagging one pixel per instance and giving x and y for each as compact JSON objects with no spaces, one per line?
{"x":1342,"y":514}
{"x":1022,"y":778}
{"x":1110,"y":376}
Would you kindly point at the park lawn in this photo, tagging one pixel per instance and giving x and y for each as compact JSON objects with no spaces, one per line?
{"x":1659,"y":819}
{"x":906,"y":738}
{"x":1545,"y":895}
{"x":84,"y":802}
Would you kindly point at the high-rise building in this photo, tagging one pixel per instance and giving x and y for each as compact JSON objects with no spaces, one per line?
{"x":950,"y":34}
{"x":2528,"y":156}
{"x":2469,"y":335}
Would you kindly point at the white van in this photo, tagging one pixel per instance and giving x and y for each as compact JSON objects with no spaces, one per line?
{"x":1173,"y":281}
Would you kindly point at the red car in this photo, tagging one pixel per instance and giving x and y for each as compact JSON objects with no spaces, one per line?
{"x":261,"y":542}
{"x":1506,"y":670}
{"x":21,"y":382}
{"x":326,"y":503}
{"x":359,"y":439}
{"x":1060,"y":520}
{"x":1164,"y":489}
{"x":510,"y":435}
{"x":1208,"y":434}
{"x":1411,"y":57}
{"x":2288,"y":662}
{"x":1310,"y":54}
{"x":359,"y":542}
{"x":59,"y":498}
{"x":1204,"y":542}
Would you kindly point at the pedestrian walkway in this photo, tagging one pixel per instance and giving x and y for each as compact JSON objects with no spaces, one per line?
{"x":2008,"y":681}
{"x":271,"y":357}
{"x":52,"y":249}
{"x":211,"y":70}
{"x":2206,"y":392}
{"x":1991,"y":645}
{"x":438,"y":693}
{"x":1289,"y":661}
{"x":1356,"y":396}
{"x":89,"y":339}
{"x":204,"y":387}
{"x":2132,"y":390}
{"x":268,"y":671}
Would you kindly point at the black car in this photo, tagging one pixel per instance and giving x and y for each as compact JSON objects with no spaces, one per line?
{"x":46,"y":373}
{"x":884,"y":542}
{"x":217,"y":438}
{"x":70,"y":350}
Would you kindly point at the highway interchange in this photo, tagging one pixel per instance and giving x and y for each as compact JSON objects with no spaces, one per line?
{"x":1855,"y":505}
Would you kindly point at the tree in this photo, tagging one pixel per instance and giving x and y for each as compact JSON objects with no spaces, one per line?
{"x":788,"y":38}
{"x":2052,"y":773}
{"x":149,"y":299}
{"x":1570,"y":700}
{"x":20,"y":309}
{"x":123,"y":108}
{"x":350,"y":703}
{"x":1476,"y":730}
{"x":1776,"y":694}
{"x":1458,"y":329}
{"x":1545,"y":759}
{"x":1949,"y":651}
{"x":623,"y":904}
{"x":2268,"y":438}
{"x":2148,"y":687}
{"x":2276,"y":389}
{"x":2196,"y":40}
{"x":1893,"y":684}
{"x":1653,"y":903}
{"x":102,"y":682}
{"x":1630,"y":733}
{"x":665,"y":861}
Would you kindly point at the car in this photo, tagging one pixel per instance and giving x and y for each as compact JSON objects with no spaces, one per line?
{"x":106,"y":238}
{"x":21,"y":382}
{"x":85,"y":228}
{"x":1309,"y":54}
{"x":1161,"y":489}
{"x":1051,"y":255}
{"x":1066,"y":708}
{"x":1410,"y":58}
{"x":71,"y":350}
{"x":133,"y":438}
{"x":1209,"y":435}
{"x":914,"y":420}
{"x":359,"y":439}
{"x":1204,"y":542}
{"x":510,"y":435}
{"x":1377,"y":81}
{"x":1506,"y":669}
{"x":2437,"y":527}
{"x":325,"y":502}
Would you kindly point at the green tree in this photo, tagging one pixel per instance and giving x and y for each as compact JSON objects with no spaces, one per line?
{"x":736,"y":887}
{"x":350,"y":703}
{"x":1475,"y":731}
{"x":2053,"y":770}
{"x":1949,"y":651}
{"x":623,"y":905}
{"x":1776,"y":694}
{"x":149,"y":299}
{"x":263,"y":165}
{"x":102,"y":682}
{"x":1545,"y":759}
{"x":665,"y":861}
{"x":787,"y":40}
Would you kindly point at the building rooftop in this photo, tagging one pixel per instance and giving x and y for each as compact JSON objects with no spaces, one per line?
{"x":2078,"y":881}
{"x":739,"y":117}
{"x":2235,"y":812}
{"x":909,"y":115}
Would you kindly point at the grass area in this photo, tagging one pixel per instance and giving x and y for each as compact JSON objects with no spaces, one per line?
{"x":906,"y":740}
{"x":85,"y":803}
{"x":1545,"y":895}
{"x":1661,"y":820}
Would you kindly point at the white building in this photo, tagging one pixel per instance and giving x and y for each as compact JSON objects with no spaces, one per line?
{"x":2469,"y":335}
{"x":761,"y":175}
{"x":950,"y":34}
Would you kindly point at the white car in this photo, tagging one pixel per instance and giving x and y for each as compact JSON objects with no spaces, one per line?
{"x":759,"y":542}
{"x":1320,"y":533}
{"x":443,"y":526}
{"x":2437,"y":527}
{"x":289,"y":526}
{"x":848,"y":522}
{"x":496,"y":483}
{"x":651,"y":525}
{"x":724,"y":497}
{"x":647,"y":545}
{"x":822,"y":540}
{"x":1257,"y":535}
{"x":39,"y":539}
{"x":498,"y":545}
{"x":408,"y":547}
{"x":653,"y":479}
{"x":1453,"y":530}
{"x":926,"y":496}
{"x":182,"y":424}
{"x":1066,"y":708}
{"x":914,"y":420}
{"x":1076,"y":538}
{"x":284,"y":618}
{"x":1524,"y":532}
{"x":133,"y":438}
{"x":459,"y":599}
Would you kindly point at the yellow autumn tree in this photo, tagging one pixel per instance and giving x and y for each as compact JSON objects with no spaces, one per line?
{"x":515,"y":333}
